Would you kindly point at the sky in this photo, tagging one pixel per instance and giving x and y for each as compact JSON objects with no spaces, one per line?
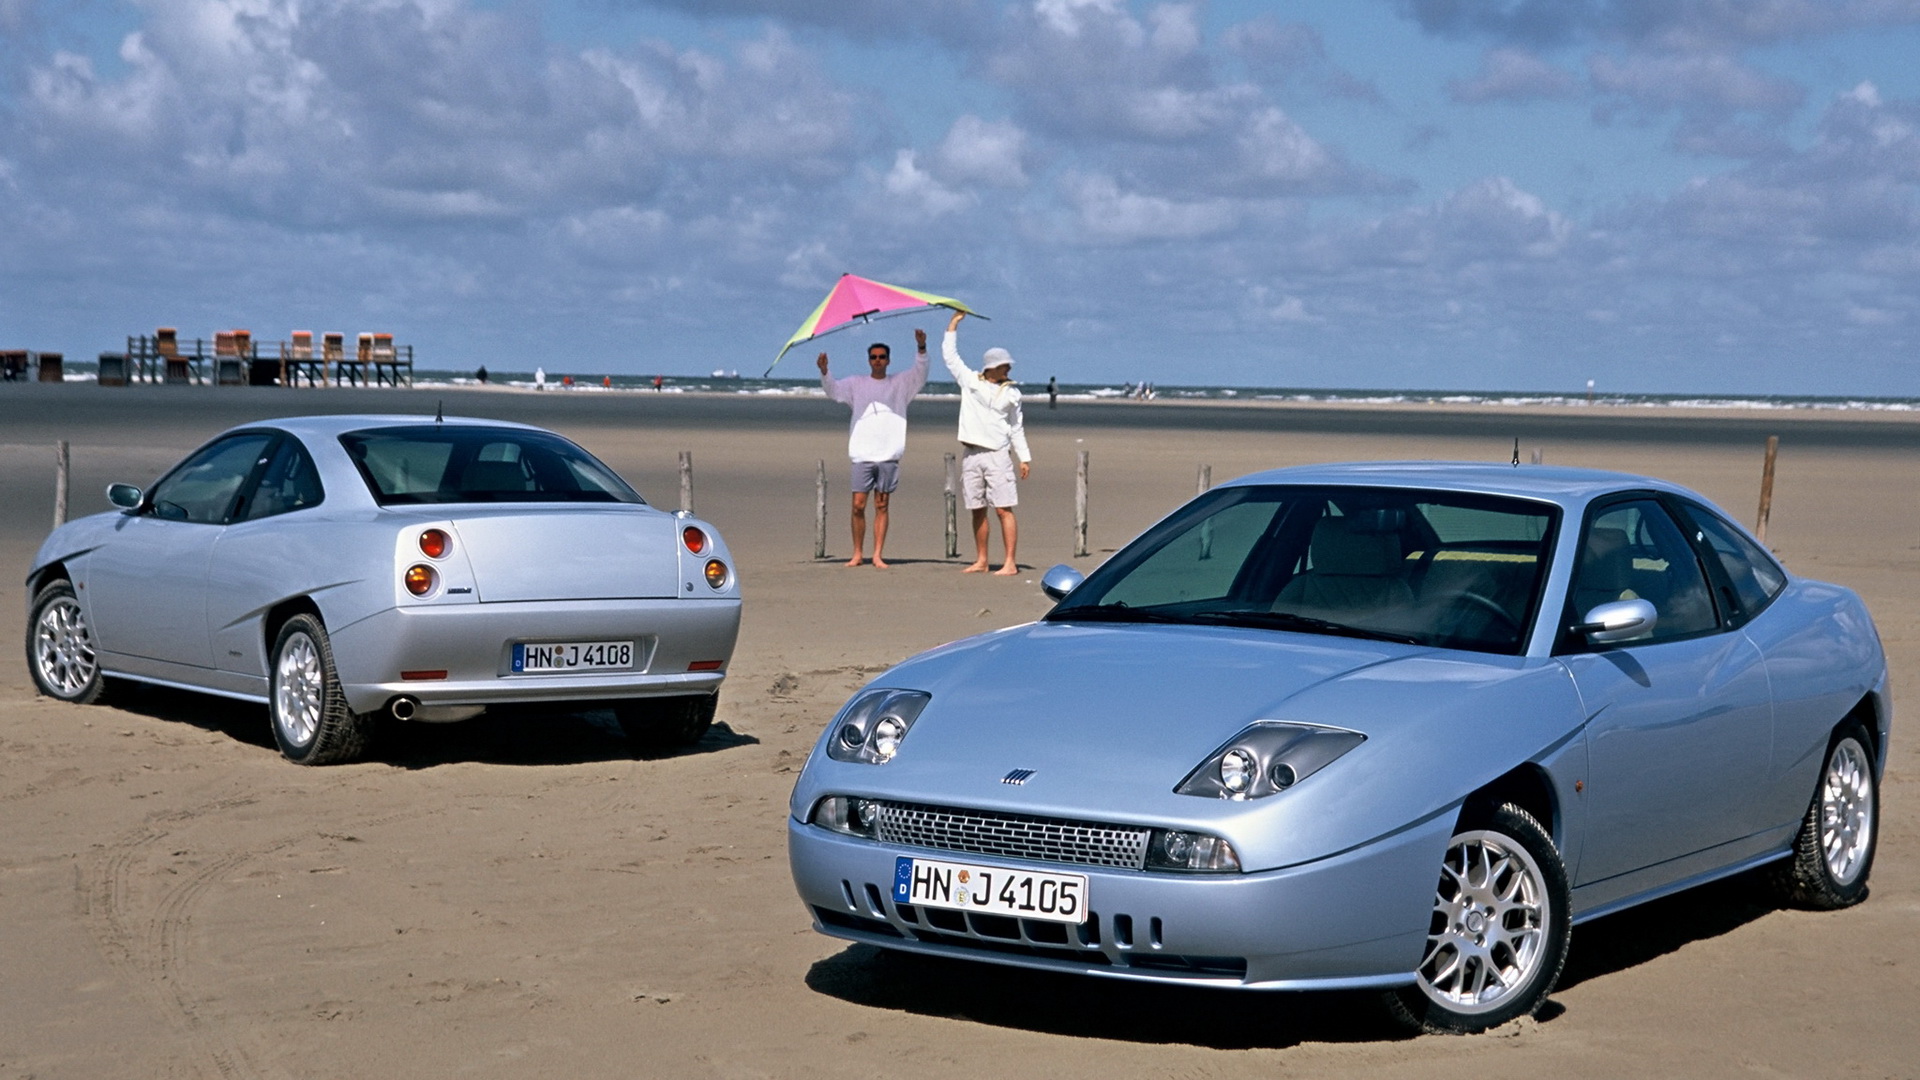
{"x":1661,"y":196}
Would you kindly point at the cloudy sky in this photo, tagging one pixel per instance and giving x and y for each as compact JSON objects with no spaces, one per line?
{"x":1660,"y":195}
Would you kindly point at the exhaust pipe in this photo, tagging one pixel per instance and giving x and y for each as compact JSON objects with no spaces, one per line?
{"x":402,"y":708}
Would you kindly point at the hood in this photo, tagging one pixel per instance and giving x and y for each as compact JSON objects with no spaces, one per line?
{"x":570,"y":553}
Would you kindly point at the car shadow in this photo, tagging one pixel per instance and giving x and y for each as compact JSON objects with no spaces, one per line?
{"x":521,"y":738}
{"x":1055,"y":1003}
{"x":1097,"y":1008}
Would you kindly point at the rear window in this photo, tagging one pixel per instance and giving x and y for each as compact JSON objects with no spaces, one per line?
{"x":462,"y":463}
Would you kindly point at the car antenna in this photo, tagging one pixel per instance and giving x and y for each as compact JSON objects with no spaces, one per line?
{"x":439,"y":409}
{"x":1516,"y":451}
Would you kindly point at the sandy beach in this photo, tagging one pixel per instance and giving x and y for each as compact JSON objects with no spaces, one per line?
{"x":523,"y":899}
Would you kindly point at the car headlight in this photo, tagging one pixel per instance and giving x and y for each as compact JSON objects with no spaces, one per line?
{"x":1177,"y":849}
{"x":871,"y":726}
{"x":844,"y":814}
{"x":1267,"y":758}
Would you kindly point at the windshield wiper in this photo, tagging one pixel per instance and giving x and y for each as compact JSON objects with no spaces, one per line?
{"x":1113,"y":613}
{"x":1287,"y":620}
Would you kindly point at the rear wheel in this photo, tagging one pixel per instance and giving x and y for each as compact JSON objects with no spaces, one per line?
{"x":311,"y":721}
{"x":1498,"y":932}
{"x":61,"y":652}
{"x":1833,"y":852}
{"x":666,"y":723}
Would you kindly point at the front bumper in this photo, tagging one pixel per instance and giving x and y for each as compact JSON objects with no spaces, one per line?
{"x":1357,"y":919}
{"x":473,"y":645}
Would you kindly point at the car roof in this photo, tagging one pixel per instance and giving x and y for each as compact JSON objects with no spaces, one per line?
{"x":338,"y":424}
{"x":1550,"y":483}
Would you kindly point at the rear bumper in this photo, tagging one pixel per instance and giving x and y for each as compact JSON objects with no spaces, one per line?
{"x":1355,"y":920}
{"x":473,"y":645}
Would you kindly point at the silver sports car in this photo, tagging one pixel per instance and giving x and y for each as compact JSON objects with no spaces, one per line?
{"x":342,"y":568}
{"x":1389,"y":726}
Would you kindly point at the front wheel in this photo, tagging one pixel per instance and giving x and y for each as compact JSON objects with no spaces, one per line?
{"x":311,"y":721}
{"x":1498,"y":932}
{"x":1833,"y":852}
{"x":666,"y":723}
{"x":61,"y":652}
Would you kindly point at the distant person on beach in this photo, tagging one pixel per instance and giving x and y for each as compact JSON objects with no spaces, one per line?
{"x":876,"y":435}
{"x":539,"y":378}
{"x":657,"y":381}
{"x":992,"y":435}
{"x":1053,"y":392}
{"x":481,"y":375}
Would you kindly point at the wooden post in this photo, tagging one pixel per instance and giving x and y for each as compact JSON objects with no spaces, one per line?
{"x":1539,"y":455}
{"x":61,"y":484}
{"x":1766,"y":488}
{"x":1080,"y":506}
{"x":1201,"y":485}
{"x":820,"y":512}
{"x":953,"y":509}
{"x":686,"y":480}
{"x":1205,"y":480}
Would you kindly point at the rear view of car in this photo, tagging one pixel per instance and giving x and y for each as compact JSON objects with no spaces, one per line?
{"x":341,"y":569}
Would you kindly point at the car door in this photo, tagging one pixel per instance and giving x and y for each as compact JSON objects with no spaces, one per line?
{"x":1680,"y":721}
{"x":147,"y":586}
{"x":268,"y":553}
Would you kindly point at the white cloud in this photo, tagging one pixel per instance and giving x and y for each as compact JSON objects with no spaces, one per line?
{"x":983,"y":152}
{"x":1106,"y":212}
{"x":1509,"y":74}
{"x":916,"y":191}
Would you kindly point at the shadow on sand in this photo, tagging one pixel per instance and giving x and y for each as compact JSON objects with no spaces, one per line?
{"x":1099,"y":1008}
{"x":519,"y":738}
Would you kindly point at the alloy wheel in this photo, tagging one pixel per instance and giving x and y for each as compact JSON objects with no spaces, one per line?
{"x":1488,"y":934}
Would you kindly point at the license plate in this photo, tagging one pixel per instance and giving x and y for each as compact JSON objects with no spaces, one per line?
{"x":994,"y":890}
{"x":572,"y":656}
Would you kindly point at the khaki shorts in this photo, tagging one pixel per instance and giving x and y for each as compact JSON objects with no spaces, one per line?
{"x":986,"y":478}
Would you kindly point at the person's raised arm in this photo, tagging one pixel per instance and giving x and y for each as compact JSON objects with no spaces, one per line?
{"x":950,"y":352}
{"x":917,"y":375}
{"x":826,"y":381}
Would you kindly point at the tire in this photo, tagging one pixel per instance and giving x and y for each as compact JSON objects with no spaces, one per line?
{"x":1833,"y":852}
{"x":1499,"y":929}
{"x":311,"y":721}
{"x":666,"y":723}
{"x":62,"y":655}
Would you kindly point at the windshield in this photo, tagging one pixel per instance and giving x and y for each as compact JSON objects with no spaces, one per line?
{"x":1425,"y":567}
{"x":462,"y":463}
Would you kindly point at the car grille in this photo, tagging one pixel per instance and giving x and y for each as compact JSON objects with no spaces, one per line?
{"x":1013,"y":836}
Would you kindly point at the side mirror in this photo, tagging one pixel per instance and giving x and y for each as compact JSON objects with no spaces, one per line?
{"x":124,"y":496}
{"x":1060,"y":581}
{"x":1618,"y":620}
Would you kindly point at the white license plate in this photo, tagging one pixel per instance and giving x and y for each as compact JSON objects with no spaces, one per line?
{"x":994,"y":890}
{"x":572,"y":656}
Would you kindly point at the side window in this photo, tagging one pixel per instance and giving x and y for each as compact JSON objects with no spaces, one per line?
{"x":1756,"y":578}
{"x":202,"y":488}
{"x":1200,"y":563}
{"x":1634,"y":551}
{"x":290,"y":482}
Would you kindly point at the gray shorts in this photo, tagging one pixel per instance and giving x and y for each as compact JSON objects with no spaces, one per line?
{"x":986,"y":478}
{"x":876,"y":476}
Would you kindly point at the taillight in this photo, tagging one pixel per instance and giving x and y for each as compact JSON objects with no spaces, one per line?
{"x":435,"y":544}
{"x":421,"y":579}
{"x":695,"y":540}
{"x":716,"y":573}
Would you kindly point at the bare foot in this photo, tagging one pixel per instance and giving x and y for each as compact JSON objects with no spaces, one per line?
{"x":976,"y":568}
{"x":855,"y":561}
{"x":879,"y":563}
{"x":1008,"y":570}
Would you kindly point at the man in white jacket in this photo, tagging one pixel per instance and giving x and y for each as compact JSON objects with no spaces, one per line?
{"x":993,"y":437}
{"x":877,"y":435}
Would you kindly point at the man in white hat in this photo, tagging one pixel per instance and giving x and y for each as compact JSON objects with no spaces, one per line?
{"x":993,"y":439}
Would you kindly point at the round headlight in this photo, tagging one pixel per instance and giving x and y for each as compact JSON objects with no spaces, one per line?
{"x":886,"y":737}
{"x":1282,"y":775}
{"x":852,"y":735}
{"x":421,"y":579}
{"x":1237,"y":771}
{"x":716,"y":573}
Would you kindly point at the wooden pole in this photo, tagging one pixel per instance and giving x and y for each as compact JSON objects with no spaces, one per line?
{"x":820,"y":512}
{"x":1766,"y":488}
{"x":61,"y":483}
{"x":686,"y":480}
{"x":1204,"y":482}
{"x":1080,"y":506}
{"x":953,"y":508}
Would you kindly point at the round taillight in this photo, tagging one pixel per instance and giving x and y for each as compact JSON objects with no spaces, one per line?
{"x":716,"y":573}
{"x":695,"y":540}
{"x":435,"y":544}
{"x":421,"y":579}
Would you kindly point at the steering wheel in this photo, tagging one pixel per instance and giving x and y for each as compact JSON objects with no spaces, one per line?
{"x":1491,"y":607}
